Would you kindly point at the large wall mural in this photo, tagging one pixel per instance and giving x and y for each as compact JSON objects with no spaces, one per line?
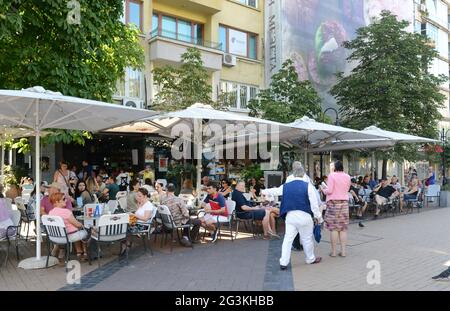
{"x":312,"y":33}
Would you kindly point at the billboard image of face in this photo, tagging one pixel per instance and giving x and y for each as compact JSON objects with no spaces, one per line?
{"x":313,"y":32}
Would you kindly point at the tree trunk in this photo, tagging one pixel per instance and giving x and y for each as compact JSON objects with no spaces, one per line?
{"x":384,"y":168}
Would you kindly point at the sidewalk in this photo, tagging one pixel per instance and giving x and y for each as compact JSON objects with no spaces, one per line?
{"x":410,"y":249}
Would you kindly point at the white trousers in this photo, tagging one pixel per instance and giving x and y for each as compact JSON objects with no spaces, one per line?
{"x":302,"y":223}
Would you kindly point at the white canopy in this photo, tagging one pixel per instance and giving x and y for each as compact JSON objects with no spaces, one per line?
{"x":199,"y":115}
{"x":39,"y":109}
{"x":387,"y":139}
{"x":397,"y":137}
{"x":319,"y":133}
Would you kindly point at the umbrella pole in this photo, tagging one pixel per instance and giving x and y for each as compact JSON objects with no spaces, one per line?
{"x":198,"y":147}
{"x":3,"y":162}
{"x":38,"y":196}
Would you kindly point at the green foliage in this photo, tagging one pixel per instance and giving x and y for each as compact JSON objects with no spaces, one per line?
{"x":40,"y":46}
{"x":287,"y":98}
{"x":251,"y":171}
{"x":13,"y":174}
{"x":22,"y":145}
{"x":182,"y":87}
{"x":390,"y":87}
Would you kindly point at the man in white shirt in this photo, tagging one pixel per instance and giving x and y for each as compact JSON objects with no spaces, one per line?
{"x":299,"y":203}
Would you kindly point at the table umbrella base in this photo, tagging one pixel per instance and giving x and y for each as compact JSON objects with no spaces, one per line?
{"x":34,"y":263}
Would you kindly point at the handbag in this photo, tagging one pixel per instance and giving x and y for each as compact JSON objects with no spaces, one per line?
{"x":317,"y":232}
{"x":71,"y":190}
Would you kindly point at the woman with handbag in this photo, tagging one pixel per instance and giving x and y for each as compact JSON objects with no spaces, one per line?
{"x":62,"y":177}
{"x":337,"y":215}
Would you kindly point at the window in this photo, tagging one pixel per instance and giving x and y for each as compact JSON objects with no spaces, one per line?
{"x":131,"y":85}
{"x":133,"y":9}
{"x":432,"y":33}
{"x":237,"y":95}
{"x":175,"y":28}
{"x":252,"y":3}
{"x":238,"y":42}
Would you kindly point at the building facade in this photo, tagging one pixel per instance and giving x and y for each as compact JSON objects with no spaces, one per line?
{"x":228,"y":33}
{"x":311,"y":33}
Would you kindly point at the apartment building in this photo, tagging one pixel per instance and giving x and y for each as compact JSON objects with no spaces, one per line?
{"x":228,"y":33}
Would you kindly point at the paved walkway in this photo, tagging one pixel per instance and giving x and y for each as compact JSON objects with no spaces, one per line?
{"x":410,"y":249}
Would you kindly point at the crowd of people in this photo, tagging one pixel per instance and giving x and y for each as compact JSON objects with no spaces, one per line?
{"x":304,"y":205}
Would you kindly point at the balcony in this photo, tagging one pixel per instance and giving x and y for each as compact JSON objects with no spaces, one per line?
{"x":167,"y":47}
{"x":185,"y":39}
{"x":205,"y":6}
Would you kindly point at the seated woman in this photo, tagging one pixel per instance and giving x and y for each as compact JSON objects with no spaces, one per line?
{"x":131,"y":197}
{"x":245,"y":210}
{"x":5,"y":219}
{"x":75,"y":230}
{"x":410,"y":194}
{"x":144,"y":214}
{"x":158,"y":194}
{"x":82,"y":192}
{"x":225,"y":190}
{"x":269,"y":204}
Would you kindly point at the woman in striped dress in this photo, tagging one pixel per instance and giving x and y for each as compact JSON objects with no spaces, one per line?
{"x":336,"y":216}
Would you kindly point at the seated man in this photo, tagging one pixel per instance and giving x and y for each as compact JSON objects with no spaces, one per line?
{"x":384,"y":192}
{"x":245,"y":210}
{"x":354,"y":191}
{"x":180,"y":215}
{"x":215,"y":209}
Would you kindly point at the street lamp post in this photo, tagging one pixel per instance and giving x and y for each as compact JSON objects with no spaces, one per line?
{"x":336,"y":122}
{"x":444,"y":136}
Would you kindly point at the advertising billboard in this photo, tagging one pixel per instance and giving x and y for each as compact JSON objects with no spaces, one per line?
{"x":313,"y":31}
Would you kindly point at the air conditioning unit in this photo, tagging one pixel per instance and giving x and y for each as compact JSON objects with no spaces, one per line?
{"x":229,"y":60}
{"x":133,"y":103}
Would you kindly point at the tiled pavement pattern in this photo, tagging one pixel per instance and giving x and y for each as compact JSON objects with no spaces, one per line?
{"x":275,"y":279}
{"x":410,"y":248}
{"x":226,"y":265}
{"x":14,"y":278}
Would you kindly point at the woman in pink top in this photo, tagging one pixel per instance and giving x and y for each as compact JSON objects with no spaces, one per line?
{"x":336,"y":216}
{"x":74,"y":228}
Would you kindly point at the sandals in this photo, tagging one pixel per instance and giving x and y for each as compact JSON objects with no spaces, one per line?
{"x":331,"y":255}
{"x":340,"y":255}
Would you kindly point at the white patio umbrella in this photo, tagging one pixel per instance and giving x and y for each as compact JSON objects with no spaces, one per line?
{"x":397,"y":137}
{"x":319,"y":134}
{"x":386,"y":139}
{"x":38,"y":109}
{"x":195,"y":115}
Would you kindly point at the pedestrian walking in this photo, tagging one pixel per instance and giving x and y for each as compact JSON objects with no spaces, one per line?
{"x":298,"y":206}
{"x":336,"y":216}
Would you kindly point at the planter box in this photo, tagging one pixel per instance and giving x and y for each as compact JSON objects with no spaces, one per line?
{"x":445,"y":198}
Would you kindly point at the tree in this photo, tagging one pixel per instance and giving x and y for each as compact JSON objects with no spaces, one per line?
{"x":77,"y":49}
{"x":287,"y":98}
{"x":182,"y":87}
{"x":391,"y":87}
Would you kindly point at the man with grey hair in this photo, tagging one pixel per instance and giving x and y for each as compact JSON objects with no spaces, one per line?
{"x":298,"y":204}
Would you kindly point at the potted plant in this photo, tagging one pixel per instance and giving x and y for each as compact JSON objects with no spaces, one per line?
{"x":445,"y":196}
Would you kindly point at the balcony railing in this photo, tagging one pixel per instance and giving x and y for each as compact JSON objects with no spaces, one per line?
{"x":187,"y":39}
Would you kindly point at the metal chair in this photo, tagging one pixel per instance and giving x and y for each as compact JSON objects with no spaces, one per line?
{"x":169,"y":225}
{"x":231,"y":206}
{"x":110,"y":228}
{"x":56,"y":232}
{"x":12,"y":234}
{"x":411,"y":203}
{"x":112,"y":205}
{"x":25,"y":216}
{"x":433,"y":191}
{"x":121,"y":198}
